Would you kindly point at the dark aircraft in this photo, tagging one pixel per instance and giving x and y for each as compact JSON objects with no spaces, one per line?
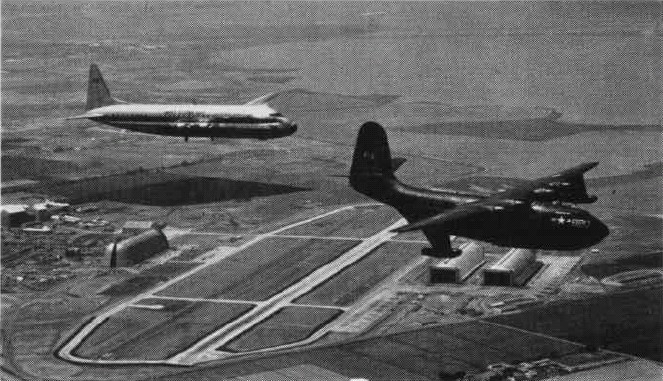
{"x":535,"y":215}
{"x":254,"y":119}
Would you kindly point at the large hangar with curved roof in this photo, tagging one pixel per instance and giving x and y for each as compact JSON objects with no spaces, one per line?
{"x":136,"y":249}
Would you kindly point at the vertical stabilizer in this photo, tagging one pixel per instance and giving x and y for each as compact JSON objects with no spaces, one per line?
{"x":372,"y":171}
{"x":97,"y":91}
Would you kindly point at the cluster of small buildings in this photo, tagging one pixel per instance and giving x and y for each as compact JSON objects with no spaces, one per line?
{"x":145,"y":238}
{"x":32,"y":218}
{"x":545,"y":369}
{"x":515,"y":268}
{"x":535,"y":370}
{"x":14,"y":215}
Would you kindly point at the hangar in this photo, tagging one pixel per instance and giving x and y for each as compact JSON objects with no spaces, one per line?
{"x":515,"y":268}
{"x":14,"y":215}
{"x":457,"y":269}
{"x":136,"y":249}
{"x":137,"y":227}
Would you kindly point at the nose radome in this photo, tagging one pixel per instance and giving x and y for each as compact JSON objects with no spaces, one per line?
{"x":603,"y":229}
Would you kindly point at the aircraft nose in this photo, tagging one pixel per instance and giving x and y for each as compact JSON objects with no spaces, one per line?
{"x":601,"y":230}
{"x":293,"y":128}
{"x":604,"y":230}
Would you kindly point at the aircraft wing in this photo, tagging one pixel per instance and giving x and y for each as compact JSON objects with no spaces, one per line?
{"x":460,"y":215}
{"x":262,"y":100}
{"x":565,"y":186}
{"x":83,"y":116}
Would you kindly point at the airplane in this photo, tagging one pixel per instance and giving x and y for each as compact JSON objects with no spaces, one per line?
{"x":254,"y":119}
{"x":538,"y":214}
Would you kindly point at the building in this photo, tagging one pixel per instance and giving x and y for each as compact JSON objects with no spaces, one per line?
{"x":36,"y":228}
{"x":515,"y":268}
{"x":457,"y":269}
{"x":136,"y":249}
{"x":42,"y":212}
{"x":13,"y":215}
{"x":137,"y":227}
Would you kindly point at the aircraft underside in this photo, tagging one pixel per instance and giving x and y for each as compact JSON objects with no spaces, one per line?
{"x":211,"y":130}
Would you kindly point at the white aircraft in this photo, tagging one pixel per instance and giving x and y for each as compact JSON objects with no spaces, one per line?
{"x":254,"y":119}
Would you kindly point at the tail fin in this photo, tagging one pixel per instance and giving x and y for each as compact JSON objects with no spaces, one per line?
{"x":97,"y":91}
{"x":372,"y":172}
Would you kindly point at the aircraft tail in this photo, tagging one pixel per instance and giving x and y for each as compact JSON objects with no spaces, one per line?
{"x":98,"y":94}
{"x":372,"y":171}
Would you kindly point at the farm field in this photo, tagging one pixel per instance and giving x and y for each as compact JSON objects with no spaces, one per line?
{"x":261,"y":270}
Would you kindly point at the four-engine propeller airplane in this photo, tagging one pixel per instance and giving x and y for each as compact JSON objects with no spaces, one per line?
{"x":534,"y":215}
{"x":254,"y":119}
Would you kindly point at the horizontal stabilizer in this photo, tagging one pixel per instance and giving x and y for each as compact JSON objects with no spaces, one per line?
{"x":397,"y":162}
{"x":262,"y":100}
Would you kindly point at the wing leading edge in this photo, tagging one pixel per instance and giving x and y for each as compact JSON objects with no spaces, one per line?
{"x":450,"y":220}
{"x":565,"y":186}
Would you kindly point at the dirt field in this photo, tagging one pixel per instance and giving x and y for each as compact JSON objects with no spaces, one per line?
{"x":354,"y":281}
{"x":288,"y":325}
{"x":260,"y":271}
{"x":138,"y":333}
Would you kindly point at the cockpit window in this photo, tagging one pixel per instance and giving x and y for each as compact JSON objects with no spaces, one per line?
{"x":276,"y":114}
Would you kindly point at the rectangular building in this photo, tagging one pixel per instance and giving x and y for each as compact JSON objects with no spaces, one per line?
{"x":13,"y":215}
{"x":457,"y":269}
{"x":515,"y":268}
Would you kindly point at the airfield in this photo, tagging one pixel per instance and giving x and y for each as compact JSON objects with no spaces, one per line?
{"x":337,"y":274}
{"x":276,"y":268}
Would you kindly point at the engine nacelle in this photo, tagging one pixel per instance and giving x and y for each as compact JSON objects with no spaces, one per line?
{"x":563,"y":191}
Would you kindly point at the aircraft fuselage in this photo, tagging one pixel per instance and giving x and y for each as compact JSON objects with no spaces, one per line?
{"x":237,"y":121}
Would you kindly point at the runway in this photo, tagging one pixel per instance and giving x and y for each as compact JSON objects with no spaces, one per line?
{"x":206,"y":348}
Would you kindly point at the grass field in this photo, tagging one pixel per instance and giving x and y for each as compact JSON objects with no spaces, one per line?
{"x":354,"y":281}
{"x":261,"y":270}
{"x":288,"y":325}
{"x":356,"y":222}
{"x":138,"y":333}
